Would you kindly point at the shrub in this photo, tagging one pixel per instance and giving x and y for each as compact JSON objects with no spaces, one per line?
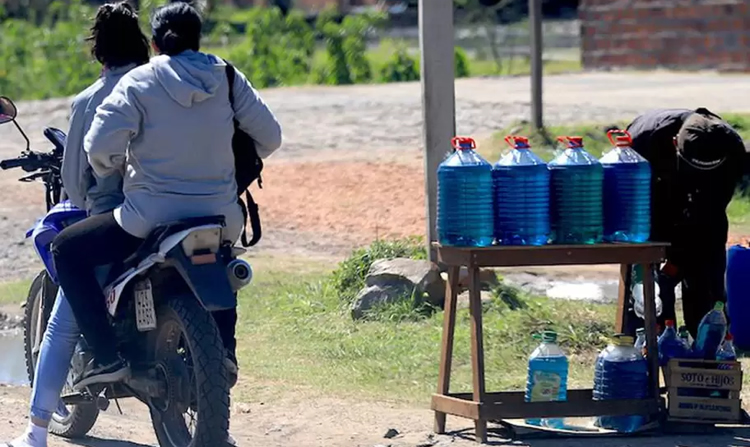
{"x":277,"y":50}
{"x":44,"y":62}
{"x":346,"y":48}
{"x":461,"y":63}
{"x":349,"y":277}
{"x":401,"y":67}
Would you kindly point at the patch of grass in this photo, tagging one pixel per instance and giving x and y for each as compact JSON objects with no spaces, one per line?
{"x":740,"y":122}
{"x":350,"y":275}
{"x":294,"y":333}
{"x":14,"y":293}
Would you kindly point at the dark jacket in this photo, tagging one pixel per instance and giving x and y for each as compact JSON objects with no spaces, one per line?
{"x":688,"y":206}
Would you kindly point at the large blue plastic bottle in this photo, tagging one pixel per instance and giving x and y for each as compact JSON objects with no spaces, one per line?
{"x":547,"y":377}
{"x":521,"y":183}
{"x":711,"y":332}
{"x":627,"y":191}
{"x":738,"y":294}
{"x":576,"y":185}
{"x":464,"y":205}
{"x":621,"y":373}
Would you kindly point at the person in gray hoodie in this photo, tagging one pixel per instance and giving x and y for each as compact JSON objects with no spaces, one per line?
{"x":119,"y":46}
{"x":167,"y":129}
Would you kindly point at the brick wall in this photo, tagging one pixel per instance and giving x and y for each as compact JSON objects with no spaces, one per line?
{"x":682,"y":34}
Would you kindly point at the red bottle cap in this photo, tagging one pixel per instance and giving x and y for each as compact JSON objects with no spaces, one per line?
{"x":571,"y":142}
{"x":669,"y":323}
{"x":463,"y":143}
{"x":517,"y":142}
{"x":729,"y":337}
{"x":620,"y":138}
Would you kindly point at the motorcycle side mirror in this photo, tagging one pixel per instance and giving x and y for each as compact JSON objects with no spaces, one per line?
{"x":8,"y":111}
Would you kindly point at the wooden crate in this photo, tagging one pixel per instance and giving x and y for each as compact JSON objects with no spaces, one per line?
{"x":704,"y":391}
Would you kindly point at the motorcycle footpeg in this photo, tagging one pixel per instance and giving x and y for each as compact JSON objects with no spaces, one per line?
{"x":102,"y":403}
{"x":77,"y":398}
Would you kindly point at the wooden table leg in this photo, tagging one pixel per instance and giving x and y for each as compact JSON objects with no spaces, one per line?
{"x":649,"y":310}
{"x":446,"y":354}
{"x":477,"y":348}
{"x":623,"y":298}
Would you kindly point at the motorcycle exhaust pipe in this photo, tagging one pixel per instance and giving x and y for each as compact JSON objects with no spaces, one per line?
{"x":240,"y":274}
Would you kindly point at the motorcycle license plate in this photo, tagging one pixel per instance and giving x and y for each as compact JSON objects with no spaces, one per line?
{"x":145,"y":314}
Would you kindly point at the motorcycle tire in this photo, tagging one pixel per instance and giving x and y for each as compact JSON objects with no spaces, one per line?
{"x":82,"y":417}
{"x":197,"y":335}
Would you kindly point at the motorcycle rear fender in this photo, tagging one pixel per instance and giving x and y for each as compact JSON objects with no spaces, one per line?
{"x":207,"y":280}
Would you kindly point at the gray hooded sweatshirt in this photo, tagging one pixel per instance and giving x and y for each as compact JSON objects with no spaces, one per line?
{"x":85,"y":189}
{"x":167,"y":126}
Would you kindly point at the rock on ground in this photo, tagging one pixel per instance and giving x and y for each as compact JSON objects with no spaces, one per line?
{"x":389,"y":281}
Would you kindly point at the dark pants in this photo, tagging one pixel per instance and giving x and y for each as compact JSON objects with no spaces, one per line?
{"x":700,"y":272}
{"x":98,"y":241}
{"x":95,"y":241}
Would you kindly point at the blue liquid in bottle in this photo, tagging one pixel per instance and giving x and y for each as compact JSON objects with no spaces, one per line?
{"x":627,"y":192}
{"x":621,"y":373}
{"x":671,"y":345}
{"x":521,"y":183}
{"x":464,"y":206}
{"x":548,"y":377}
{"x":576,"y":211}
{"x":711,"y":333}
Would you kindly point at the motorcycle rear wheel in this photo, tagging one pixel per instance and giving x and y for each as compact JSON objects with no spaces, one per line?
{"x":190,"y":355}
{"x":82,"y":417}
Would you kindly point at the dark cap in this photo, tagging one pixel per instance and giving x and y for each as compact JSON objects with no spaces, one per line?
{"x":705,"y":140}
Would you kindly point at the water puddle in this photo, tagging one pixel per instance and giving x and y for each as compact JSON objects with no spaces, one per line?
{"x":580,"y":289}
{"x":12,"y":361}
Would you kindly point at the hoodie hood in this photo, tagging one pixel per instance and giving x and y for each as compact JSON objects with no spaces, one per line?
{"x":189,"y":77}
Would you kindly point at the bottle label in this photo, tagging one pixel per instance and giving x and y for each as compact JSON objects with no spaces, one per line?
{"x":546,"y":386}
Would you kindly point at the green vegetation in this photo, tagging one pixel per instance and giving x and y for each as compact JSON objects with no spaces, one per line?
{"x":47,"y":55}
{"x":298,"y":332}
{"x":14,"y":293}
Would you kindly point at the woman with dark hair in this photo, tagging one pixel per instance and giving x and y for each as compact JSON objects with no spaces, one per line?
{"x":168,"y":125}
{"x":119,"y":46}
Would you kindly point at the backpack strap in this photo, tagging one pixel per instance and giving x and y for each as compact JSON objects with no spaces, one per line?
{"x":248,"y":206}
{"x":250,"y":210}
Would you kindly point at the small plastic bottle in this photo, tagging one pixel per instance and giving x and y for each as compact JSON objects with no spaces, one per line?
{"x":687,"y":340}
{"x":547,"y":377}
{"x":711,"y":332}
{"x":640,"y":341}
{"x":726,"y":351}
{"x":670,"y":345}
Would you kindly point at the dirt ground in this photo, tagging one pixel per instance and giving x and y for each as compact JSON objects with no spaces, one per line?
{"x":350,"y":171}
{"x":328,"y":422}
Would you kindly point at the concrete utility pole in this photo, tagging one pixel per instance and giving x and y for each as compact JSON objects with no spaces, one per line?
{"x":438,"y":97}
{"x":537,"y":50}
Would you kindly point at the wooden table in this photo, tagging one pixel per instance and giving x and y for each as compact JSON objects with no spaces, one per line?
{"x":482,"y":406}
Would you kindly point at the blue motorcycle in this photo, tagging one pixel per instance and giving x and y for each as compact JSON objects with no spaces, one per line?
{"x":159,"y":302}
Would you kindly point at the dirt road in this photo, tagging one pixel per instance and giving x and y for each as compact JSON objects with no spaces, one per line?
{"x":326,"y":422}
{"x":350,"y":168}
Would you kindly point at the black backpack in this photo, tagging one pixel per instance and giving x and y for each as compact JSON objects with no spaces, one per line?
{"x":247,"y":168}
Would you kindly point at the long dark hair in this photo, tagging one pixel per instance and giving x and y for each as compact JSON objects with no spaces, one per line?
{"x":117,"y":37}
{"x":176,"y":27}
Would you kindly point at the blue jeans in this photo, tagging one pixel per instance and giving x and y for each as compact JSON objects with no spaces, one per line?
{"x":58,"y":346}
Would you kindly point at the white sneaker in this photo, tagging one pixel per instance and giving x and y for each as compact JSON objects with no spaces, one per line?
{"x":230,"y":440}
